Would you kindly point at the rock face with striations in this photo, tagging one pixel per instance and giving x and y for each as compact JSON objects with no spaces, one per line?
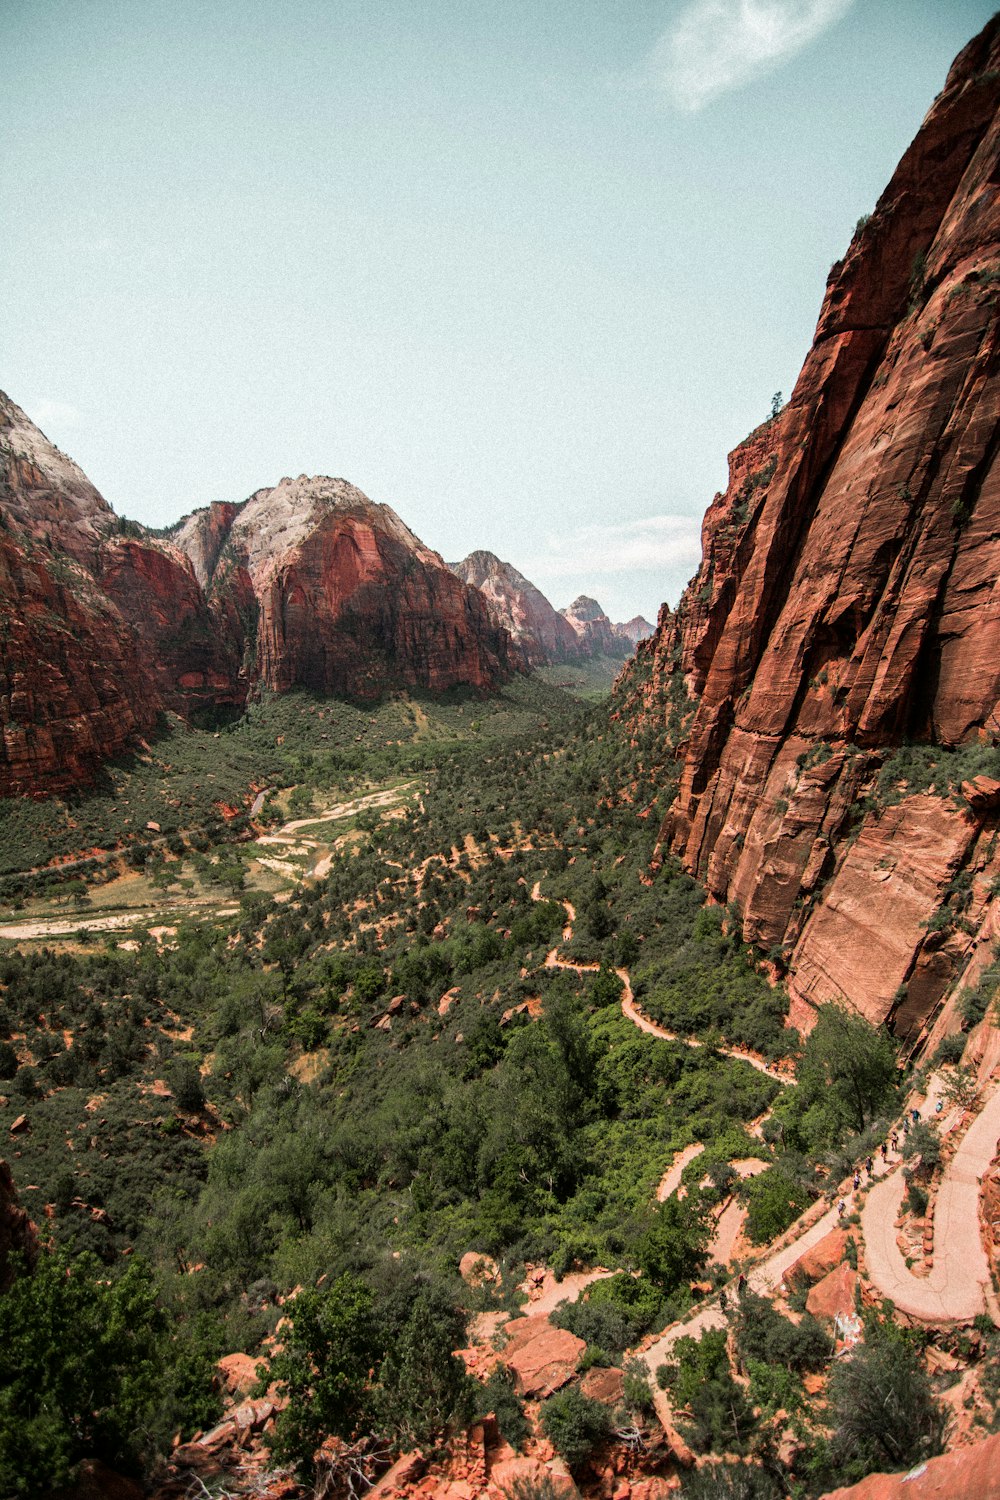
{"x":848,"y":600}
{"x":347,"y":599}
{"x":72,"y":688}
{"x":542,"y":633}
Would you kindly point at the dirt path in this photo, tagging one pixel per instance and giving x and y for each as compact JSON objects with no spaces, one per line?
{"x":671,"y":1179}
{"x":630,"y":1009}
{"x":955,"y":1289}
{"x":286,"y":833}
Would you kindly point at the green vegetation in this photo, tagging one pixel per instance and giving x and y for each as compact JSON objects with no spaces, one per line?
{"x":80,"y":1371}
{"x":575,"y":1425}
{"x":355,"y":1078}
{"x":926,"y":768}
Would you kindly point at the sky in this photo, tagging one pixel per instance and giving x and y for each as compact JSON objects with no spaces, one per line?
{"x":526,"y":272}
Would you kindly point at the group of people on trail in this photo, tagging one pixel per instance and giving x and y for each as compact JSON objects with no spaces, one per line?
{"x":911,"y":1118}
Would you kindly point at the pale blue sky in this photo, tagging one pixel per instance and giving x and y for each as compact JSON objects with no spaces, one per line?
{"x":526,"y":272}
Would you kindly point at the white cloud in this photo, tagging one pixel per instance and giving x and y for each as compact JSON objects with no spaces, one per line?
{"x":56,"y":414}
{"x":656,"y":542}
{"x":717,"y":45}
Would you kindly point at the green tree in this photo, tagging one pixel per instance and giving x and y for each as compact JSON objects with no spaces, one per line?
{"x":672,"y":1248}
{"x":774,"y":1200}
{"x":701,"y":1383}
{"x":575,"y":1424}
{"x":324,"y":1369}
{"x":848,"y":1071}
{"x":425,"y":1389}
{"x":80,"y":1368}
{"x":882,"y":1406}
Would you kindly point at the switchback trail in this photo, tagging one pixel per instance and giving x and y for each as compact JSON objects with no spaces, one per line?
{"x":956,"y":1287}
{"x":630,"y":1009}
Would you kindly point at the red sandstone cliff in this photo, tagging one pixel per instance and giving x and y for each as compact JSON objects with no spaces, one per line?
{"x":522,"y":609}
{"x":347,"y":599}
{"x":73,"y":690}
{"x":848,"y":600}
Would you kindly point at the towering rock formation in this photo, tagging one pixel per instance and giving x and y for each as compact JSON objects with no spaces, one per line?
{"x":103,"y":624}
{"x":73,"y":690}
{"x":598,"y":635}
{"x":543,"y":634}
{"x":848,"y":600}
{"x":635,"y":630}
{"x":347,"y":599}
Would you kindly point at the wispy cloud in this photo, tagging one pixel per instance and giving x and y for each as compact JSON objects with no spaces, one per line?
{"x":56,"y":414}
{"x":656,"y":542}
{"x":717,"y":45}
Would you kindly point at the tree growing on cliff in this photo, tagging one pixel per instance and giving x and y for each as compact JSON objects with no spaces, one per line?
{"x":882,"y":1406}
{"x":847,"y":1077}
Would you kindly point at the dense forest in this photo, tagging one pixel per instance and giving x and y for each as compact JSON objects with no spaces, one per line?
{"x":347,"y":1085}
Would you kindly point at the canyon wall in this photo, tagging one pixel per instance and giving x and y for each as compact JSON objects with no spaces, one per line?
{"x":848,"y":603}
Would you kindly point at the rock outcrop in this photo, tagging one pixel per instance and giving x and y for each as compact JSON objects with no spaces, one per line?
{"x":345,"y":598}
{"x":593,"y":629}
{"x":848,"y":602}
{"x":966,"y":1474}
{"x":522,"y":609}
{"x":635,"y":630}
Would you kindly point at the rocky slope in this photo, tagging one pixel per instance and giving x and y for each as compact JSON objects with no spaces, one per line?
{"x":542,"y":633}
{"x":346,"y":599}
{"x":848,"y":601}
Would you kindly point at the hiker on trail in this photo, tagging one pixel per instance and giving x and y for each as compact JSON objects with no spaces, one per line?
{"x":840,"y":1209}
{"x":723,"y":1301}
{"x":857,"y":1179}
{"x":884,"y":1150}
{"x":938,"y":1107}
{"x":916,"y":1115}
{"x":906,"y":1126}
{"x":895,"y":1140}
{"x":868,"y":1166}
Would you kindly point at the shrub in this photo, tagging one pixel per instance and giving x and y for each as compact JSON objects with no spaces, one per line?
{"x":499,"y":1395}
{"x":700,"y":1381}
{"x":575,"y":1424}
{"x":762,"y":1334}
{"x":330,"y":1348}
{"x":882,"y":1407}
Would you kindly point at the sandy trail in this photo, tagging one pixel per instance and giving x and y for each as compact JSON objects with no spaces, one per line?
{"x":630,"y":1009}
{"x":286,"y":833}
{"x":955,"y":1289}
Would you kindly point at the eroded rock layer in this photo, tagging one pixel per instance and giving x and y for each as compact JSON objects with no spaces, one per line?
{"x":346,"y":598}
{"x":849,"y":600}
